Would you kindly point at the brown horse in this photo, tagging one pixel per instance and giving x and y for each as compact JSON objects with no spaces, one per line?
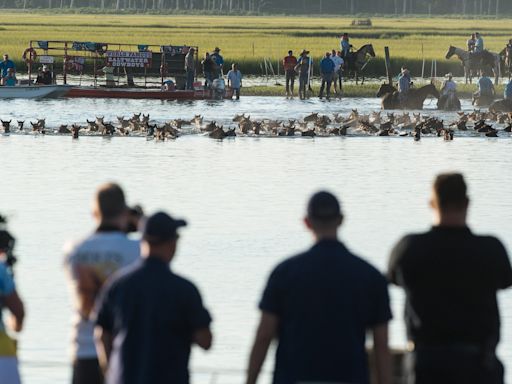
{"x":356,"y":62}
{"x":504,"y":105}
{"x":415,"y":98}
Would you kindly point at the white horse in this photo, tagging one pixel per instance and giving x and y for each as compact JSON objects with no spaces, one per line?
{"x":476,"y":62}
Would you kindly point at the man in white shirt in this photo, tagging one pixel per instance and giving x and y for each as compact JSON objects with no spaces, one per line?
{"x":235,"y":80}
{"x":89,"y":263}
{"x":449,"y":86}
{"x":338,"y":74}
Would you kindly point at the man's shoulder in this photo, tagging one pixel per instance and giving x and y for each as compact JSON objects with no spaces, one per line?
{"x":412,"y":239}
{"x":101,"y":242}
{"x":487,"y":241}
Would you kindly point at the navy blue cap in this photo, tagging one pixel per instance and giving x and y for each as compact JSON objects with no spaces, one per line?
{"x":161,"y":227}
{"x":324,"y":206}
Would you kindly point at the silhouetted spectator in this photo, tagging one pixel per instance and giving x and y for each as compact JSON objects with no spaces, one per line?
{"x":319,"y":305}
{"x":450,"y":277}
{"x":89,"y":263}
{"x":148,"y":317}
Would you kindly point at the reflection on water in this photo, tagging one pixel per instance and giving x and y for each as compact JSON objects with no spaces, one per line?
{"x":244,"y":199}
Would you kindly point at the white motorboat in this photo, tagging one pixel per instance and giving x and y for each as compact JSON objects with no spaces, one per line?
{"x":33,"y":91}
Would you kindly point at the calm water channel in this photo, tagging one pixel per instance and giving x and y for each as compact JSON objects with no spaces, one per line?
{"x":244,"y":199}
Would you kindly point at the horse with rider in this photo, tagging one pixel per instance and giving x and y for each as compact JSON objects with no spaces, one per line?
{"x":405,"y":95}
{"x":355,"y":61}
{"x":476,"y":59}
{"x":506,"y":54}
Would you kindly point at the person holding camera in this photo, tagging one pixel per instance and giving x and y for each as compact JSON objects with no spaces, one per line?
{"x":10,"y":300}
{"x":89,"y":262}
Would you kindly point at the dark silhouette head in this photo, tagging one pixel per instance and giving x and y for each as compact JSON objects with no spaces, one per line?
{"x":449,"y":199}
{"x":323,"y":215}
{"x":161,"y":236}
{"x":110,"y":203}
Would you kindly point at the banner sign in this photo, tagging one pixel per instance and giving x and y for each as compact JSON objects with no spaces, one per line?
{"x":46,"y":59}
{"x":129,"y":59}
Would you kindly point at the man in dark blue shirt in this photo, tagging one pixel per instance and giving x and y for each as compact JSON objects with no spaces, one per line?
{"x":319,"y":305}
{"x":327,"y":72}
{"x":148,"y":317}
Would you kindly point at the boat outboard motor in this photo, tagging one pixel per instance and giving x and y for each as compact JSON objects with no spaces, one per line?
{"x":219,"y":89}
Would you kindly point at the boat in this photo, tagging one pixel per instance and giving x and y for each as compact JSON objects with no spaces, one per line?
{"x":146,"y":93}
{"x":33,"y":91}
{"x":161,"y":67}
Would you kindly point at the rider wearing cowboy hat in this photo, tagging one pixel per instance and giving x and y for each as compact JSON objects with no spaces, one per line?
{"x":404,"y":84}
{"x":449,"y":85}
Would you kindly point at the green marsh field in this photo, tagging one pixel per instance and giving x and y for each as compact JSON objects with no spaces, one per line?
{"x":249,"y":39}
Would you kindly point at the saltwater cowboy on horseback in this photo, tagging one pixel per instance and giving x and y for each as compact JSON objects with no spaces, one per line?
{"x":506,"y":54}
{"x":449,"y":100}
{"x":356,"y":62}
{"x":406,"y":97}
{"x":477,"y":61}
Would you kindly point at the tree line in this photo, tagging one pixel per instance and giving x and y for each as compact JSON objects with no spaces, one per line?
{"x":335,"y":7}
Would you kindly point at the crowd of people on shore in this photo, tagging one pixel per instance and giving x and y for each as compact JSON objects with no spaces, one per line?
{"x":136,"y":320}
{"x":212,"y":66}
{"x":8,"y":73}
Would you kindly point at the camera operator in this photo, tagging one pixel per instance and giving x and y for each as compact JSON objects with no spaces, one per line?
{"x":9,"y":299}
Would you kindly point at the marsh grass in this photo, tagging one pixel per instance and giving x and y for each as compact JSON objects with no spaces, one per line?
{"x":249,"y":39}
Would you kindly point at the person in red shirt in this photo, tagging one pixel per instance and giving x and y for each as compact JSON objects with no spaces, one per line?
{"x":289,"y":63}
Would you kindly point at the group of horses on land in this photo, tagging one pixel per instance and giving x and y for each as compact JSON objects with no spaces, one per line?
{"x":474,"y":64}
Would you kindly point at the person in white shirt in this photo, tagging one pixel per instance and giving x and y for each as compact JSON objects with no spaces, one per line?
{"x":449,"y":86}
{"x":89,"y":263}
{"x":235,"y":80}
{"x":338,"y":74}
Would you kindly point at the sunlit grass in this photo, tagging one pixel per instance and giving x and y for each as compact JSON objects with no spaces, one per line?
{"x":250,"y":39}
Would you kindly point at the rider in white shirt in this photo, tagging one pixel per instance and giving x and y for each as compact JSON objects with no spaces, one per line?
{"x":449,"y":86}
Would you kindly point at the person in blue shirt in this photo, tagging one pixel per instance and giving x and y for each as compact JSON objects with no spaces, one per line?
{"x":10,"y":79}
{"x":404,"y":84}
{"x":345,"y":45}
{"x":235,"y":80}
{"x":319,"y":305}
{"x":485,"y":86}
{"x":479,"y":43}
{"x":508,"y":91}
{"x":219,"y":62}
{"x":6,"y":64}
{"x":486,"y":91}
{"x":327,"y":72}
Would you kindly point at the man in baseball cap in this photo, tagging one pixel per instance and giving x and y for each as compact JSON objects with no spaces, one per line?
{"x":319,"y":306}
{"x":148,"y":317}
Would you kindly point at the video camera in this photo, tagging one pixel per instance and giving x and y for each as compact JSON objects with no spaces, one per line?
{"x":7,"y":242}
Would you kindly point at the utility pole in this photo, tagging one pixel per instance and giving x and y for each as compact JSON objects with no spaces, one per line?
{"x":497,"y":8}
{"x":404,"y":8}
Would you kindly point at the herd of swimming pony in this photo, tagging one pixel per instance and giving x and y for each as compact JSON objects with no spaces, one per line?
{"x":476,"y":123}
